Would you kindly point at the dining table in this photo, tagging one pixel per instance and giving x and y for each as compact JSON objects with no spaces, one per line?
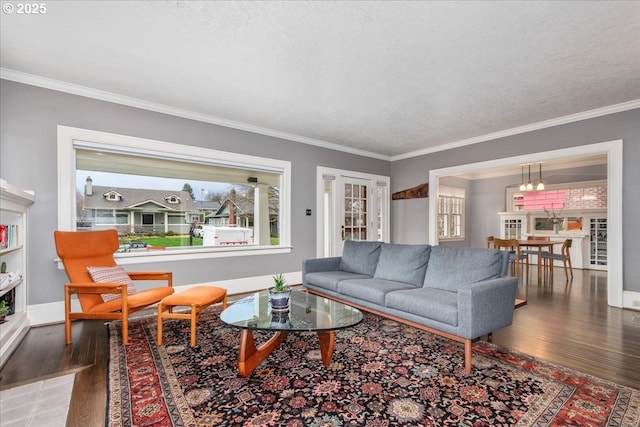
{"x":540,"y":244}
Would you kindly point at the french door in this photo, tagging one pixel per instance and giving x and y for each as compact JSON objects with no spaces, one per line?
{"x":356,"y":220}
{"x":352,"y":206}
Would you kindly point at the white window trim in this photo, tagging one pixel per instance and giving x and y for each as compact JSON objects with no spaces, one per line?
{"x":133,"y":145}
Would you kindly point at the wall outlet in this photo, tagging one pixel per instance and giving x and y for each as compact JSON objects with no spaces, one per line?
{"x":635,"y":303}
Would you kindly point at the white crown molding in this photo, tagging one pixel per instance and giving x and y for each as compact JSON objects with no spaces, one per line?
{"x":47,"y":83}
{"x":611,"y":109}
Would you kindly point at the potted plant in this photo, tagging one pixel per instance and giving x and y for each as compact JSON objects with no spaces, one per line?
{"x":4,"y":310}
{"x":280,"y":293}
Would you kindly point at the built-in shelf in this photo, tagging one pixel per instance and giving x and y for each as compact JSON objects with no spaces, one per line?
{"x":14,"y":204}
{"x":11,"y":286}
{"x":9,"y":250}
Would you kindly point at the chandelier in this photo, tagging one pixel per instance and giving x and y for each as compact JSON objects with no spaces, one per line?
{"x":529,"y":185}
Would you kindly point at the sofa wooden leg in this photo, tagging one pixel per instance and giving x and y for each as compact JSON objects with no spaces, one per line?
{"x":467,"y":356}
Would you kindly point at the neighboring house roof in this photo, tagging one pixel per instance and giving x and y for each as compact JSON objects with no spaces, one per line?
{"x":223,"y":210}
{"x":207,"y":205}
{"x":137,"y":199}
{"x":242,"y":207}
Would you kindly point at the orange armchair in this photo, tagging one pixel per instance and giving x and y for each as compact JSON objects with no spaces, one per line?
{"x":81,"y":249}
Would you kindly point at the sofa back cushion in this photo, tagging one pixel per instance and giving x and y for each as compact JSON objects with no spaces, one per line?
{"x":451,"y":268}
{"x":403,"y":263}
{"x":360,"y":257}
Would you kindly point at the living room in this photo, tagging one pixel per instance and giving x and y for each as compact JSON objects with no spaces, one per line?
{"x":380,"y":105}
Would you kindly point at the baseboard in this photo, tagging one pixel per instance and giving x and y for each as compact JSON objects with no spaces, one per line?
{"x":53,"y":312}
{"x":631,"y":299}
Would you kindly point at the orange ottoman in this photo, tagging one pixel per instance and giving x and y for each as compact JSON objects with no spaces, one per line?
{"x":198,"y":298}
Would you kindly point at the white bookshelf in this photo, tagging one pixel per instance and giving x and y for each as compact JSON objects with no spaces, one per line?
{"x":14,"y":204}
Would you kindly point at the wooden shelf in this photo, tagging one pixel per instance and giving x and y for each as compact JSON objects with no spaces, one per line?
{"x":11,"y":286}
{"x":9,"y":250}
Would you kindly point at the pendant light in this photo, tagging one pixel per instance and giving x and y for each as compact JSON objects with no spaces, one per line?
{"x":522,"y":186}
{"x":529,"y":184}
{"x":540,"y":186}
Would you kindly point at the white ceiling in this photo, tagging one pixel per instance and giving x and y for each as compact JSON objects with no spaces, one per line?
{"x":387,"y":78}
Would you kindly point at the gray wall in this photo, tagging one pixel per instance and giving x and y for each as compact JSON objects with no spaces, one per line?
{"x":29,"y":118}
{"x":410,"y":220}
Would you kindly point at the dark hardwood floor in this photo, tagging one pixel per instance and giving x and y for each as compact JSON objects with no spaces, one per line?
{"x":568,"y":324}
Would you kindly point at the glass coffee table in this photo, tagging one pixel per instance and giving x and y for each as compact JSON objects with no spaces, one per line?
{"x":306,"y":312}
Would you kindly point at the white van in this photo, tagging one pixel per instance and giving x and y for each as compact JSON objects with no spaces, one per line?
{"x":226,"y":236}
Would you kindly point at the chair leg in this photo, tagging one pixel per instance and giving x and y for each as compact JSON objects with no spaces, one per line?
{"x":194,"y":321}
{"x":67,"y":320}
{"x":125,"y":330}
{"x":160,"y":310}
{"x":570,"y":267}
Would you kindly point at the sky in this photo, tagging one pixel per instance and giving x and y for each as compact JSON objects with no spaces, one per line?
{"x":107,"y":179}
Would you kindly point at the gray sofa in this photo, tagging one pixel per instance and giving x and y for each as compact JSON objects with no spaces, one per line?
{"x":458,"y":293}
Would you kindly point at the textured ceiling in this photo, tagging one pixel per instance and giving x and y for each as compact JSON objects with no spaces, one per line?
{"x":386,"y":77}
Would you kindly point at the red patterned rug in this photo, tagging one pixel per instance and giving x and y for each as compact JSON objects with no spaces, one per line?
{"x":382,"y":374}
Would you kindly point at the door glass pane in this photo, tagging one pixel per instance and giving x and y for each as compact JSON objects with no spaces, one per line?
{"x":348,"y":190}
{"x":355,"y":211}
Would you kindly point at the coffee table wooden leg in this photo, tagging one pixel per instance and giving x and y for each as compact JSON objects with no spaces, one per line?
{"x":250,"y":355}
{"x":327,"y":340}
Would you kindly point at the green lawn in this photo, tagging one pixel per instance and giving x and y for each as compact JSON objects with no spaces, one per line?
{"x":173,"y":241}
{"x":168,"y":241}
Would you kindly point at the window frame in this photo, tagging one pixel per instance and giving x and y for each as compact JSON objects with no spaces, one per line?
{"x":452,"y":193}
{"x":70,"y":138}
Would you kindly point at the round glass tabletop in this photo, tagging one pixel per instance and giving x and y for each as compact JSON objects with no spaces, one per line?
{"x":307,"y":312}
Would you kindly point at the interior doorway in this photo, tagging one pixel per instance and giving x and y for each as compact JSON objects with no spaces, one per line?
{"x":613,"y":150}
{"x":351,"y":206}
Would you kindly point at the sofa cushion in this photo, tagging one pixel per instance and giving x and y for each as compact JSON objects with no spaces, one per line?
{"x":372,"y":290}
{"x":435,"y":304}
{"x":329,"y":279}
{"x":403,"y":263}
{"x":360,"y":257}
{"x":451,"y":268}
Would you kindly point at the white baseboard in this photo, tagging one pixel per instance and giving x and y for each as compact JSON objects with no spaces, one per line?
{"x":631,"y":299}
{"x":53,"y":312}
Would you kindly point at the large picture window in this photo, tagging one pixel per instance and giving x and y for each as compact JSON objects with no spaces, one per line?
{"x":176,"y":197}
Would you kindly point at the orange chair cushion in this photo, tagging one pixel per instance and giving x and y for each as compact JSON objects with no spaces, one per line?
{"x":198,"y":295}
{"x":137,"y":300}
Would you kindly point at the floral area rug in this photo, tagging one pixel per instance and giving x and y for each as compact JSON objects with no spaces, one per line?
{"x":382,"y":374}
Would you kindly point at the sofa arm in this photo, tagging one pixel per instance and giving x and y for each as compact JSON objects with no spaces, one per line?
{"x":486,"y":306}
{"x":319,"y":264}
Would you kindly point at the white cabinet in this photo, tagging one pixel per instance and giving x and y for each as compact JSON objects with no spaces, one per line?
{"x":14,"y":204}
{"x":513,"y":225}
{"x":598,"y":243}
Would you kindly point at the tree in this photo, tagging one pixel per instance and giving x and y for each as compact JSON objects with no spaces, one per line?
{"x":187,"y":187}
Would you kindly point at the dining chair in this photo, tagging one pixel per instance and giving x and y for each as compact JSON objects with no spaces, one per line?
{"x":515,"y":255}
{"x":490,"y":241}
{"x":104,"y":289}
{"x":563,"y":256}
{"x":529,"y":252}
